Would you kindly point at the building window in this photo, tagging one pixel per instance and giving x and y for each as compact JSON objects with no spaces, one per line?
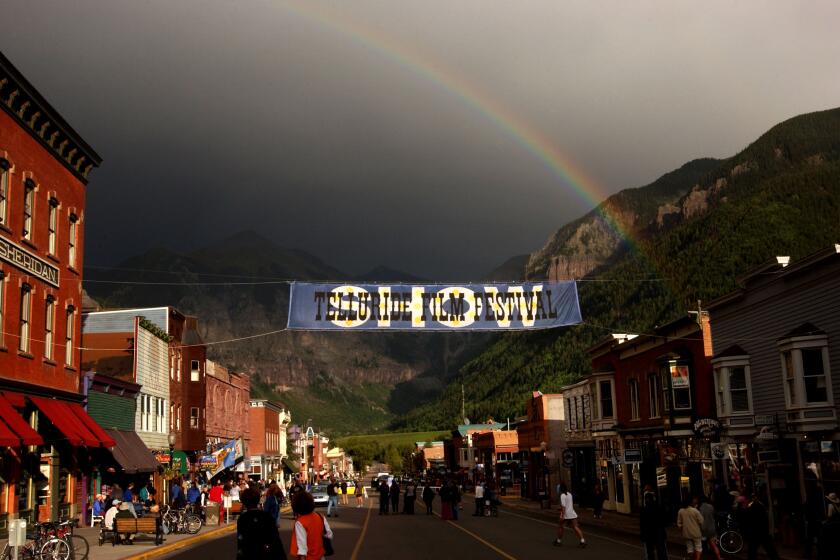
{"x":51,"y":226}
{"x":49,"y":320}
{"x":28,"y":207}
{"x":69,"y":335}
{"x":679,"y":391}
{"x":634,"y":399}
{"x":195,"y":372}
{"x":178,"y":418}
{"x":72,"y":232}
{"x":605,"y":399}
{"x":25,"y":315}
{"x":4,"y":188}
{"x":194,"y":417}
{"x":653,"y":395}
{"x":732,"y":381}
{"x":171,"y":417}
{"x":806,"y":370}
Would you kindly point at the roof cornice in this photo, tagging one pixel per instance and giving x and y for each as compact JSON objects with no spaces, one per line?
{"x":21,"y":101}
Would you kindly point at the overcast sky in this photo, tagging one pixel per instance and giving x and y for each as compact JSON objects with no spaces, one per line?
{"x":322,"y":126}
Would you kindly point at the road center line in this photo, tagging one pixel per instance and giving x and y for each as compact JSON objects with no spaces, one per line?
{"x":489,"y":545}
{"x":361,"y":538}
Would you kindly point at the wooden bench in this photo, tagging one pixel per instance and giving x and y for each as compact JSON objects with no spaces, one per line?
{"x":146,"y":525}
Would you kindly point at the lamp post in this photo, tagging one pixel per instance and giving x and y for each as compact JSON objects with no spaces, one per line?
{"x":167,"y":488}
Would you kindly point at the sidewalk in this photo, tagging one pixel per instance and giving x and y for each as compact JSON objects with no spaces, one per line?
{"x":145,"y":548}
{"x":627,"y":524}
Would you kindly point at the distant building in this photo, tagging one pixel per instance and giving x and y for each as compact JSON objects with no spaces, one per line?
{"x":228,"y":405}
{"x":44,"y":169}
{"x":160,"y":349}
{"x":542,"y":440}
{"x":268,"y":423}
{"x":429,"y":456}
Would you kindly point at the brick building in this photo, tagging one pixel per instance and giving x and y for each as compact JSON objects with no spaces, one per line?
{"x":228,"y":405}
{"x":652,"y":402}
{"x":44,"y":168}
{"x":268,"y":422}
{"x":542,"y":441}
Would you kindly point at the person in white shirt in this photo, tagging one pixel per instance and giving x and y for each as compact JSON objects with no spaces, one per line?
{"x":479,"y":499}
{"x":234,"y":492}
{"x":111,"y":514}
{"x":567,"y":516}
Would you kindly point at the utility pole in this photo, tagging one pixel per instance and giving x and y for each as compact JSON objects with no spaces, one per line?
{"x":463,"y":407}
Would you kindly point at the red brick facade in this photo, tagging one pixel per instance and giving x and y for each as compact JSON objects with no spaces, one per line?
{"x":228,"y":396}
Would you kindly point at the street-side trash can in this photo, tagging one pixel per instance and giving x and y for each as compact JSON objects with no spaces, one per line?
{"x":545,"y":503}
{"x":211,"y":513}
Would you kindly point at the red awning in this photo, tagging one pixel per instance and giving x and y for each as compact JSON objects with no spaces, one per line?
{"x":65,"y":421}
{"x":25,"y":433}
{"x":104,"y":439}
{"x":8,"y":437}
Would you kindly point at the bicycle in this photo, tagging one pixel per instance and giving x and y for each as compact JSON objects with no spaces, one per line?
{"x":180,"y":521}
{"x":41,"y":544}
{"x":65,"y":530}
{"x":730,"y":540}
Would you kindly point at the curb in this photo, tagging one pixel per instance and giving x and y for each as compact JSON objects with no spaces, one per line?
{"x":167,"y":548}
{"x":212,"y":534}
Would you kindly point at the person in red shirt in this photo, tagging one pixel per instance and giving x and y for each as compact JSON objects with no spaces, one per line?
{"x":309,"y":530}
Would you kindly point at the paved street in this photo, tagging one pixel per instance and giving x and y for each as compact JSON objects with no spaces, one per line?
{"x":362,"y":533}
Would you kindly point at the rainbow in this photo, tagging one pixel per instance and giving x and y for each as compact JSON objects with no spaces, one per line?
{"x":523,"y":133}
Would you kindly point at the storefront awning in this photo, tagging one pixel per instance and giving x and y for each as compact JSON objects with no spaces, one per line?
{"x":131,"y":453}
{"x":23,"y":431}
{"x":72,"y":421}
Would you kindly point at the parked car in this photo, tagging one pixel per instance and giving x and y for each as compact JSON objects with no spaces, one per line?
{"x":319,"y":494}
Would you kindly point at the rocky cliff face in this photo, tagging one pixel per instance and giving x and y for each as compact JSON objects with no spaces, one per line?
{"x":582,"y":246}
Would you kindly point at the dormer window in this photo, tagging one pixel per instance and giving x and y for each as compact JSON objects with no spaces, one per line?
{"x":732,"y":382}
{"x":805,"y":367}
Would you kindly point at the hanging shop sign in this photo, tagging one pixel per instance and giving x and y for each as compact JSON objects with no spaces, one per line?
{"x":632,"y":456}
{"x":718,"y":451}
{"x":433,"y":307}
{"x":224,"y":458}
{"x":568,"y":458}
{"x":707,"y":427}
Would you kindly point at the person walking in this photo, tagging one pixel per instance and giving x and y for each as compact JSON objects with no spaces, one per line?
{"x":598,"y":501}
{"x":568,"y":516}
{"x":343,"y":487}
{"x":394,"y":494}
{"x":271,"y":505}
{"x":257,"y":536}
{"x":332,"y":496}
{"x":479,"y":500}
{"x":310,"y":529}
{"x":428,"y":497}
{"x":828,"y":541}
{"x":383,"y":497}
{"x":652,"y":523}
{"x":709,"y":528}
{"x":410,"y":496}
{"x":756,"y":529}
{"x":360,"y":493}
{"x":691,"y":522}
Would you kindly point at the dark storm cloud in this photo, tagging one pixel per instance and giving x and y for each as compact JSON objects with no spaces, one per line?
{"x":214,"y":117}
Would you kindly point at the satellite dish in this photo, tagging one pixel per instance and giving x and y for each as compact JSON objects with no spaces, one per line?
{"x":466,"y":420}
